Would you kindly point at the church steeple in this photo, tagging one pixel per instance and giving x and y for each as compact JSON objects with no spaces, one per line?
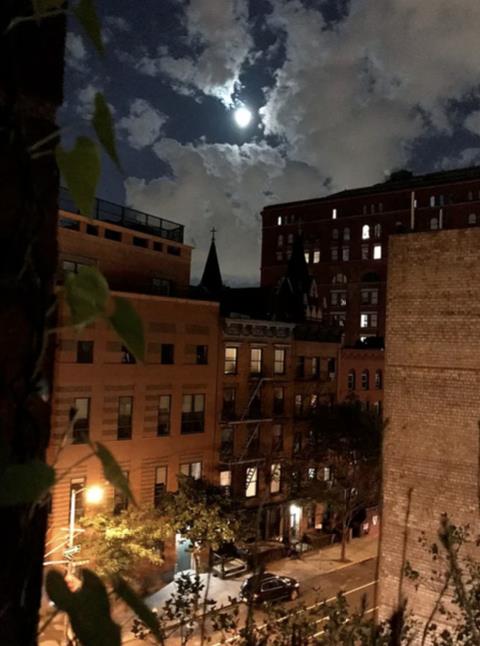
{"x":212,"y":278}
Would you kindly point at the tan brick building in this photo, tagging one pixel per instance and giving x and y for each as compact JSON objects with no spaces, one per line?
{"x":432,"y":403}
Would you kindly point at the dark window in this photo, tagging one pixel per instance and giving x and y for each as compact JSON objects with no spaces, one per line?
{"x":66,"y":223}
{"x":315,"y":367}
{"x":378,"y":379}
{"x":255,"y":410}
{"x":297,"y":443}
{"x":351,"y":380}
{"x":157,"y":246}
{"x":111,"y":234}
{"x":167,"y":353}
{"x":331,"y":368}
{"x":277,"y":438}
{"x":202,"y":355}
{"x":365,"y":380}
{"x":278,"y":400}
{"x":253,"y":440}
{"x":127,"y":356}
{"x":161,"y":286}
{"x":160,"y":485}
{"x":77,"y":485}
{"x":124,"y":421}
{"x":298,"y":405}
{"x":140,"y":242}
{"x":193,"y":414}
{"x":300,"y":367}
{"x":81,"y":424}
{"x":120,"y":499}
{"x":228,"y":408}
{"x":174,"y":251}
{"x":226,"y":441}
{"x":164,"y":408}
{"x":92,"y":230}
{"x":84,"y":351}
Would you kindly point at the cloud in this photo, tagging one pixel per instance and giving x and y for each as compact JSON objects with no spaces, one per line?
{"x":75,"y":52}
{"x":472,"y":122}
{"x":219,"y":38}
{"x":225,"y":186}
{"x":143,"y":124}
{"x":350,"y":99}
{"x":85,"y":99}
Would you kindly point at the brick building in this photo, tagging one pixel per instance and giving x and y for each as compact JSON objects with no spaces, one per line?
{"x":346,"y":247}
{"x":432,"y":381}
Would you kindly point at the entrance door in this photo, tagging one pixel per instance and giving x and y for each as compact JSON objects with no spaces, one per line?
{"x":183,"y":554}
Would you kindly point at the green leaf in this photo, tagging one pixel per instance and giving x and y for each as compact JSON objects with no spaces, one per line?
{"x":128,"y":325}
{"x":88,"y":609}
{"x":103,"y":125}
{"x":25,"y":483}
{"x":87,"y":294}
{"x":142,"y":611}
{"x":80,"y":168}
{"x":42,"y":7}
{"x":112,"y":471}
{"x":86,"y":15}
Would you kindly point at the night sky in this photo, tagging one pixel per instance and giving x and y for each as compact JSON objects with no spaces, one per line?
{"x":342,"y":93}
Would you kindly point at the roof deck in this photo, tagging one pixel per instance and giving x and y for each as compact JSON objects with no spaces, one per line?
{"x":126,"y":217}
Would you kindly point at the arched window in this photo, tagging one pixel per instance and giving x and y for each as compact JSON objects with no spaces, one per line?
{"x":335,"y":234}
{"x":339,"y":279}
{"x":365,"y":232}
{"x":346,"y":233}
{"x":472,"y":219}
{"x":351,"y":380}
{"x":378,"y":380}
{"x":377,"y":230}
{"x":365,"y":380}
{"x":433,"y":224}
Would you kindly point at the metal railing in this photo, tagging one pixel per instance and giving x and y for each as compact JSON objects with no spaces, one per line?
{"x":124,"y":216}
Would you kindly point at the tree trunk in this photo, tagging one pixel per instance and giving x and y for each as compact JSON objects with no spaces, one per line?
{"x":343,"y":553}
{"x":31,"y":80}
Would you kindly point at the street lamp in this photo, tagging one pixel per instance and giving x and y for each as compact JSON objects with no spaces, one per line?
{"x":93,"y":496}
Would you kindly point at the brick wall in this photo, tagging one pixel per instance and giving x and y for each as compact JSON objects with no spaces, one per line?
{"x":432,"y":403}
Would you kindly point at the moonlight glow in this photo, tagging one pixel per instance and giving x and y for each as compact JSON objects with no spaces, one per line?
{"x":242,"y":116}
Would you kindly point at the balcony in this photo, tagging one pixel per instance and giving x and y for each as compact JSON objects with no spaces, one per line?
{"x":124,"y":216}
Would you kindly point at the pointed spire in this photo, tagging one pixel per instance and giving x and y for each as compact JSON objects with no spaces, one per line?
{"x":212,"y":278}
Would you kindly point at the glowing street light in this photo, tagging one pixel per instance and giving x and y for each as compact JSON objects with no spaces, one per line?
{"x":94,"y":494}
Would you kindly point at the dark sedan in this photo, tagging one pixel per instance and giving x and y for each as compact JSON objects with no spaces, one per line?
{"x":266,"y":587}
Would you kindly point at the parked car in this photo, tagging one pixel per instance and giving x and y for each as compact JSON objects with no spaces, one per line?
{"x":268,"y":587}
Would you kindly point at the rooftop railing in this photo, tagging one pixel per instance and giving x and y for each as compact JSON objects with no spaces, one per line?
{"x":126,"y":217}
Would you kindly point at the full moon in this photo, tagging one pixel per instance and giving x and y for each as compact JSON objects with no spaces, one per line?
{"x":242,"y":117}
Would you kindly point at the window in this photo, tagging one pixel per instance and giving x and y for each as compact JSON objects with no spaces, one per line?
{"x":315,"y":366}
{"x":279,"y":256}
{"x":339,"y":279}
{"x":334,"y":214}
{"x":364,"y":209}
{"x":92,"y":230}
{"x":300,"y":367}
{"x":192,"y":470}
{"x":161,"y":286}
{"x":378,"y":379}
{"x":67,"y":223}
{"x":307,"y":257}
{"x":226,"y":481}
{"x":338,"y":319}
{"x":346,"y":234}
{"x":251,"y":482}
{"x":280,"y":241}
{"x":377,"y":230}
{"x":289,"y":254}
{"x":252,"y":443}
{"x":167,"y":353}
{"x":126,"y":355}
{"x":164,"y":409}
{"x":77,"y":485}
{"x":140,"y":242}
{"x":230,"y":366}
{"x":313,"y":401}
{"x":334,"y":253}
{"x":372,"y":208}
{"x":345,"y":253}
{"x":84,"y":351}
{"x":278,"y":400}
{"x":432,"y":200}
{"x":157,"y":246}
{"x":472,"y":219}
{"x":226,"y":441}
{"x":193,"y":414}
{"x":275,"y":477}
{"x":327,"y":474}
{"x":228,"y":408}
{"x":290,"y":238}
{"x":365,"y":380}
{"x":377,"y":408}
{"x":81,"y":423}
{"x":174,"y":251}
{"x":277,"y":438}
{"x":255,"y":361}
{"x":255,"y":409}
{"x":316,"y":256}
{"x":334,"y":298}
{"x":369,"y":296}
{"x":351,"y":380}
{"x":377,"y":252}
{"x":312,"y":473}
{"x":279,"y":220}
{"x":120,"y":498}
{"x":202,"y":355}
{"x":72,"y":266}
{"x":335,"y":234}
{"x":380,"y":208}
{"x":365,"y":232}
{"x":124,"y":420}
{"x":160,"y":485}
{"x":332,"y":368}
{"x":433,"y":224}
{"x":470,"y":195}
{"x":365,"y":251}
{"x":297,"y":443}
{"x":368,"y":319}
{"x":279,"y":361}
{"x":298,"y":405}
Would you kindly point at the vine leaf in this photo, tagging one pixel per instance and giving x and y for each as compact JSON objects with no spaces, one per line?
{"x":103,"y":125}
{"x":128,"y":325}
{"x":112,"y":471}
{"x":142,"y":611}
{"x":87,"y":295}
{"x":25,"y":483}
{"x":86,"y":15}
{"x":88,"y":608}
{"x":80,"y":168}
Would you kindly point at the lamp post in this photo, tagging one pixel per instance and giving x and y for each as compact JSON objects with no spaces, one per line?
{"x":93,"y":495}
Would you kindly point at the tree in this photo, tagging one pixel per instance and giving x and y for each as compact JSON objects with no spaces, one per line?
{"x":348,"y":440}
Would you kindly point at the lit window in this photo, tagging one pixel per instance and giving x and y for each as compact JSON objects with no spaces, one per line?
{"x":365,"y":232}
{"x":472,"y":219}
{"x":193,"y":414}
{"x":279,"y":361}
{"x":307,"y":257}
{"x":363,"y":320}
{"x":315,"y":366}
{"x":255,"y":361}
{"x":192,"y":470}
{"x":312,"y":473}
{"x":251,"y":482}
{"x":327,"y":474}
{"x":316,"y":256}
{"x":432,"y":200}
{"x":279,"y":220}
{"x":280,"y":241}
{"x":230,"y":366}
{"x":226,"y":481}
{"x":345,"y":254}
{"x":377,"y":408}
{"x":275,"y":479}
{"x":334,"y":214}
{"x":377,"y":252}
{"x":160,"y":485}
{"x":346,"y":234}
